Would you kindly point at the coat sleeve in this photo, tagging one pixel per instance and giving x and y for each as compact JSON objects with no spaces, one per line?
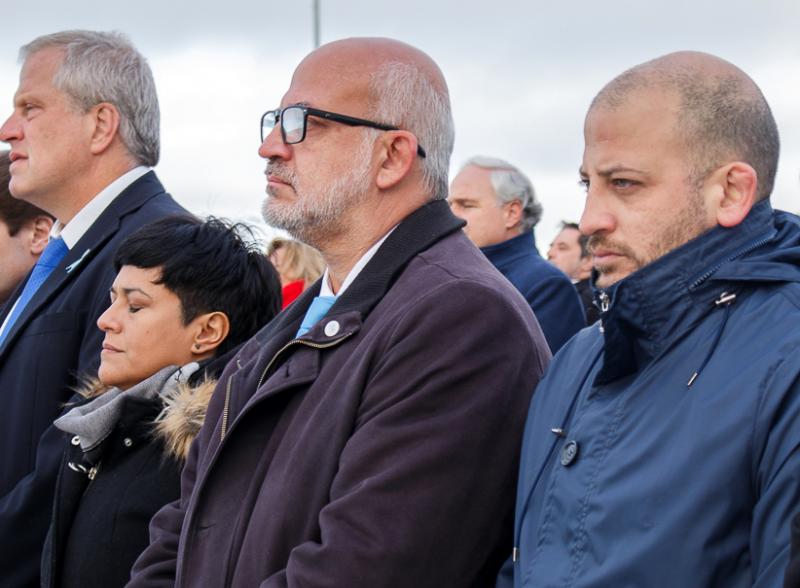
{"x":424,"y":494}
{"x":156,"y":566}
{"x":776,"y":455}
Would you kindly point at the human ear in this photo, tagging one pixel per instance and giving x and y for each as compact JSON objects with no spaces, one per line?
{"x":211,"y":330}
{"x":397,"y":155}
{"x":738,"y":182}
{"x":105,"y":121}
{"x":512,"y":212}
{"x":40,"y":234}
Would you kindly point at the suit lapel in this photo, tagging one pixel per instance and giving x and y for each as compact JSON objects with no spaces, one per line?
{"x":85,"y":250}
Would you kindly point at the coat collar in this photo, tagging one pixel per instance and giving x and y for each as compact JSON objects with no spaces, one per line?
{"x":416,"y":233}
{"x":511,"y":250}
{"x":81,"y":255}
{"x":656,"y":304}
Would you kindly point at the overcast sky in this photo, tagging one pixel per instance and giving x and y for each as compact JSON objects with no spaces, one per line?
{"x":530,"y":68}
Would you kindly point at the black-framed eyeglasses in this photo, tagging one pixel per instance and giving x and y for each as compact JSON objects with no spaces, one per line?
{"x":293,"y":121}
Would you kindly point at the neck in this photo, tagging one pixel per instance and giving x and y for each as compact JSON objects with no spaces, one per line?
{"x":364,"y":226}
{"x":90,"y":184}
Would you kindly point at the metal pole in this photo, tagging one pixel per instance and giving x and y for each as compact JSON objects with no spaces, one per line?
{"x":315,"y":4}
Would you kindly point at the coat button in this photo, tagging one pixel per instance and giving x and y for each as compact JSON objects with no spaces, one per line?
{"x":127,"y":442}
{"x":568,"y":453}
{"x":332,"y":328}
{"x":75,"y":440}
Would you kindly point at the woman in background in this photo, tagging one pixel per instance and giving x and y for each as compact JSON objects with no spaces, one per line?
{"x":298,"y":265}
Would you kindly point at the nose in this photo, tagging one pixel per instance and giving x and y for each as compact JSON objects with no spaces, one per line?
{"x":596,"y":217}
{"x":11,"y":130}
{"x":107,"y":321}
{"x":273,"y":146}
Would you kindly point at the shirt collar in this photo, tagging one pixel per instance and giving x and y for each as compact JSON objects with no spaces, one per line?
{"x":80,"y":223}
{"x":326,"y":290}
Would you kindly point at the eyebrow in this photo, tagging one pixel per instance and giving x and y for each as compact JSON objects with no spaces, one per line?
{"x":129,"y":291}
{"x":612,"y":170}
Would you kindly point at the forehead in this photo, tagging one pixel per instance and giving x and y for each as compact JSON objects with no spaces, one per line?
{"x":130,"y":276}
{"x":323,"y":81}
{"x":569,"y":236}
{"x":473,"y":182}
{"x":643,"y":127}
{"x":38,"y":72}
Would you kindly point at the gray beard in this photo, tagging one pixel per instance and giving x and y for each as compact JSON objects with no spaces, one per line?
{"x":316,"y":218}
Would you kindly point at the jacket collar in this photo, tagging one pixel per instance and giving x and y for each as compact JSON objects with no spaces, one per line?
{"x":656,"y":304}
{"x":416,"y":233}
{"x":511,"y":250}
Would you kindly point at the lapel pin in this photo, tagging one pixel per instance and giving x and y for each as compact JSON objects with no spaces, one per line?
{"x":75,"y":264}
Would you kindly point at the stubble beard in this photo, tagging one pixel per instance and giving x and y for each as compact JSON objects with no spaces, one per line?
{"x":688,"y":224}
{"x":316,"y":217}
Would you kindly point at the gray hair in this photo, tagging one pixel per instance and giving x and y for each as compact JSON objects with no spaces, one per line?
{"x":511,"y":184}
{"x":106,"y":67}
{"x":402,"y":96}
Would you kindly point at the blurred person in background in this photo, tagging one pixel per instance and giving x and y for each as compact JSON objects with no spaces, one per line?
{"x":569,"y":252}
{"x":298,"y":265}
{"x":186,"y":295}
{"x":24,"y":232}
{"x":498,"y":202}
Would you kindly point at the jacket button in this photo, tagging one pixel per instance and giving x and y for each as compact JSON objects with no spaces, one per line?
{"x":75,"y":440}
{"x":332,"y":328}
{"x":127,"y":442}
{"x":568,"y":453}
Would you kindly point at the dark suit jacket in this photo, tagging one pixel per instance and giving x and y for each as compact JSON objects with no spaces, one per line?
{"x":55,"y":339}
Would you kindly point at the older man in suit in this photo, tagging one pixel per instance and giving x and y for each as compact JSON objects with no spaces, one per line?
{"x":83,"y":134}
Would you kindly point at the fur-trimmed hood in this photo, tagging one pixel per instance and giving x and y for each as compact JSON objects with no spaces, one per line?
{"x":184,"y":412}
{"x":179,"y":422}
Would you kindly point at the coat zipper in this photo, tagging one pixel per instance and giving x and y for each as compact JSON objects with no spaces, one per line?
{"x":743,"y":251}
{"x":226,"y":406}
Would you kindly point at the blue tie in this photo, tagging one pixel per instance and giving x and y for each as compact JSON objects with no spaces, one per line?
{"x":318,"y":309}
{"x":48,"y":261}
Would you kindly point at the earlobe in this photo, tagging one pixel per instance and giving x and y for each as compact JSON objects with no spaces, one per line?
{"x":398,"y":152}
{"x":739,"y":184}
{"x":106,"y":123}
{"x":40,"y":234}
{"x":212,"y":330}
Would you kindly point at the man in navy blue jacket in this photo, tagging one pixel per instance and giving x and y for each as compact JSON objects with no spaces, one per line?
{"x":84,"y":133}
{"x":500,"y":207}
{"x":662,"y":447}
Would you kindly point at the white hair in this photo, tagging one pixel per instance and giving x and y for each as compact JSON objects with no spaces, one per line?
{"x":511,"y":184}
{"x":106,"y":67}
{"x":405,"y":98}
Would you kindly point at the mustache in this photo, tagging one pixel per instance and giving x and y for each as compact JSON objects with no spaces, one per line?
{"x":600,"y":242}
{"x":281,"y":172}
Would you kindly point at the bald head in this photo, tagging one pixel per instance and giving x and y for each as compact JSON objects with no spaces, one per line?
{"x":400,"y":86}
{"x":722,"y":116}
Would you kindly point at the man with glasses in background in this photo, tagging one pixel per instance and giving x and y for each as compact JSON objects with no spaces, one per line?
{"x":368,"y":436}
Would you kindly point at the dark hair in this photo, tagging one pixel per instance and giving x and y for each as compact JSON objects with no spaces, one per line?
{"x":210,"y":267}
{"x":14,"y":213}
{"x":583,"y":240}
